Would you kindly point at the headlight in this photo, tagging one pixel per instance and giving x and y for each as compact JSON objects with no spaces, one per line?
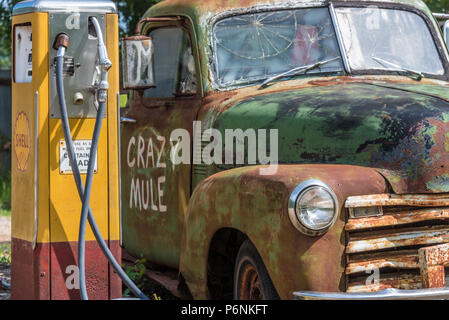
{"x":313,"y":207}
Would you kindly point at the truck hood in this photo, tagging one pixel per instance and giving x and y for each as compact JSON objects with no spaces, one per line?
{"x":400,"y":130}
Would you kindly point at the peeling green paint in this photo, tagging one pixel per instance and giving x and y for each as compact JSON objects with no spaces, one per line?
{"x":359,"y":124}
{"x":439,"y":184}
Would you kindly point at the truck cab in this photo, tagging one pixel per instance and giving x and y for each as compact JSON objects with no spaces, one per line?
{"x":286,"y":147}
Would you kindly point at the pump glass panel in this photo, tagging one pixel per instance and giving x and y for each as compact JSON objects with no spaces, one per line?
{"x":23,"y":54}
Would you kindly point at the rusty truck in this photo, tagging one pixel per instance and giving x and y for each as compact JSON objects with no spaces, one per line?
{"x":335,"y":181}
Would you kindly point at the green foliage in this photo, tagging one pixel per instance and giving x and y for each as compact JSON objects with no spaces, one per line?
{"x":5,"y":176}
{"x":5,"y":193}
{"x":5,"y":213}
{"x":5,"y":253}
{"x":438,"y":5}
{"x":136,"y":273}
{"x":131,"y":11}
{"x":6,"y":7}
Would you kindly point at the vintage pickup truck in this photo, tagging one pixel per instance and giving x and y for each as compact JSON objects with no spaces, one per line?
{"x":279,"y":149}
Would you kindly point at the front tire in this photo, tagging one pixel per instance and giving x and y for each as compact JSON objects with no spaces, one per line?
{"x":251,"y":279}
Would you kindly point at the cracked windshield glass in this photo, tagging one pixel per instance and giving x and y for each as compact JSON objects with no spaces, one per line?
{"x":388,"y":39}
{"x":254,"y":47}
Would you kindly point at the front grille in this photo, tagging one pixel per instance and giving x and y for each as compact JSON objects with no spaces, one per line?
{"x":382,"y":252}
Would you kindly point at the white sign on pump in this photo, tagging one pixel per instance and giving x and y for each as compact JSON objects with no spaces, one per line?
{"x":82,"y":152}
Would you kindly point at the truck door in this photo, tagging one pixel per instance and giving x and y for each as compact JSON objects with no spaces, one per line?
{"x":155,"y":193}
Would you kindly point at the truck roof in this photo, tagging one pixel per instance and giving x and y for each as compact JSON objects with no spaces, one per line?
{"x":203,"y":9}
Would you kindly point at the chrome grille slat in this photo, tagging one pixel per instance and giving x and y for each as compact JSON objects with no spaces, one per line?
{"x":398,"y":240}
{"x":400,"y":262}
{"x":394,"y":218}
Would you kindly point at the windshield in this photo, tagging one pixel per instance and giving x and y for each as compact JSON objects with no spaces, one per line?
{"x":376,"y":38}
{"x":255,"y":47}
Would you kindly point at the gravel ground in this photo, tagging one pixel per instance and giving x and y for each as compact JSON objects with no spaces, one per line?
{"x":5,"y":229}
{"x":5,"y":275}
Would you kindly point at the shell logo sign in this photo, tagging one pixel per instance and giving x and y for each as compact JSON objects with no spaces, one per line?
{"x":22,"y":141}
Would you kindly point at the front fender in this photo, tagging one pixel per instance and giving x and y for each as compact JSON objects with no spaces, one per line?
{"x":256,"y":205}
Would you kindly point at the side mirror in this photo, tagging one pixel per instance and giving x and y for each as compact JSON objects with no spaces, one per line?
{"x":446,"y":32}
{"x":137,"y":60}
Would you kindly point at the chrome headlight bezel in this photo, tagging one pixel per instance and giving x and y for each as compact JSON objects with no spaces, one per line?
{"x":297,"y":193}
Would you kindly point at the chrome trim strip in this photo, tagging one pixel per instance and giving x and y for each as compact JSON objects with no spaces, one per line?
{"x":385,"y":199}
{"x":352,"y":212}
{"x":36,"y":167}
{"x":119,"y":170}
{"x":445,"y":27}
{"x":54,"y":6}
{"x":441,"y":16}
{"x":388,"y":294}
{"x":127,"y":120}
{"x":339,"y":38}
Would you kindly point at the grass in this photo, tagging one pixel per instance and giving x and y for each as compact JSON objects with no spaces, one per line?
{"x":5,"y":213}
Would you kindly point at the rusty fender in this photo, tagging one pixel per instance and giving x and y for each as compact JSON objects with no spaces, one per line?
{"x":256,"y":205}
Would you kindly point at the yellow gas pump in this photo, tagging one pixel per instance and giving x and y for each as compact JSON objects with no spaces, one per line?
{"x":46,"y":201}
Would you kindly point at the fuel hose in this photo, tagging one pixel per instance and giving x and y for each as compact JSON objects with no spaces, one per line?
{"x":61,"y":45}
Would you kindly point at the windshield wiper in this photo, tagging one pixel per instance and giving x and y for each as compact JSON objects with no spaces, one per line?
{"x":417,"y":74}
{"x":296,"y":71}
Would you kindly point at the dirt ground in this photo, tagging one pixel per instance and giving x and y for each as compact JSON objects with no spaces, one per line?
{"x":5,"y":238}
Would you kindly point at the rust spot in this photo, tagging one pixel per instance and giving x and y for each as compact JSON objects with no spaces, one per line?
{"x":401,"y":262}
{"x":432,"y":261}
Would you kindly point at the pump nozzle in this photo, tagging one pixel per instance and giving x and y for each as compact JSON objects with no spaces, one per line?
{"x":104,"y":61}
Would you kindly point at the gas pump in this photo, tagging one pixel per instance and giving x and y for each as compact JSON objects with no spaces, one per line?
{"x":65,"y":95}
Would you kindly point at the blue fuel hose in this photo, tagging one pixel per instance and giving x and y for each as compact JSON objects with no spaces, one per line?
{"x":84,"y":194}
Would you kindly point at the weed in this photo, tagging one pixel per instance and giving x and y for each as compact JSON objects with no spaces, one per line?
{"x":136,"y":273}
{"x":5,"y":253}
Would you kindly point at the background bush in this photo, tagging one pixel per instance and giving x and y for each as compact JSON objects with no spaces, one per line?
{"x":5,"y":191}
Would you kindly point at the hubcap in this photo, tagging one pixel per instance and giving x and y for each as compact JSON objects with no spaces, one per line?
{"x":250,"y":288}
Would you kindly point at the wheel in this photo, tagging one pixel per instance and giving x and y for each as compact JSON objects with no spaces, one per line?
{"x":251,"y":279}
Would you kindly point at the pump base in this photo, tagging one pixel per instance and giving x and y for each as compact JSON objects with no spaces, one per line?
{"x":31,"y":278}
